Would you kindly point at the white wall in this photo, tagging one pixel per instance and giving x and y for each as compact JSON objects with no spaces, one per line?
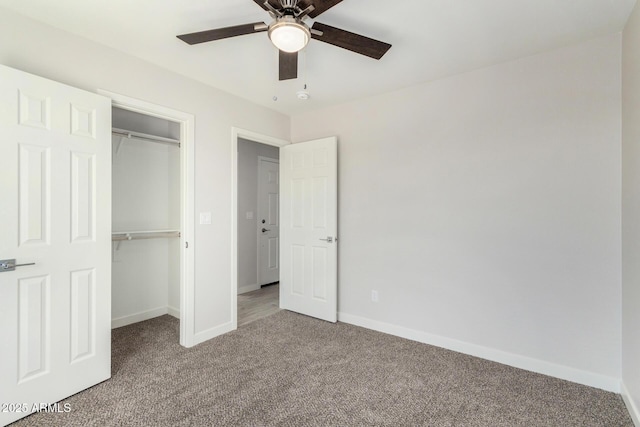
{"x":631,"y":214}
{"x":485,"y":210}
{"x":60,"y":56}
{"x":248,"y":153}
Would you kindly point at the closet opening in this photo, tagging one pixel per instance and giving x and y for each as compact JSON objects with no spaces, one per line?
{"x":152,"y":214}
{"x":146,"y":217}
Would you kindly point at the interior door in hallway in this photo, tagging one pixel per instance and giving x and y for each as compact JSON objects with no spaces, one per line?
{"x":268,"y":221}
{"x":309,"y":226}
{"x":55,"y":177}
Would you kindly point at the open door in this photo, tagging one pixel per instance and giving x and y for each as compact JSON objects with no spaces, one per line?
{"x":308,"y":228}
{"x":55,"y":177}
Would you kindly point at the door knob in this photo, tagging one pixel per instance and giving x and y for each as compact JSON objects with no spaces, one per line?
{"x":264,"y":229}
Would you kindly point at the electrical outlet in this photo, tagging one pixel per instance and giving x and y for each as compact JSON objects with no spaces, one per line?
{"x":374,"y":296}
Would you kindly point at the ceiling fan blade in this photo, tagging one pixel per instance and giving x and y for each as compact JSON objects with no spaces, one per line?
{"x":354,"y":42}
{"x":261,"y":4}
{"x":320,"y":6}
{"x":275,"y":3}
{"x":223,"y":33}
{"x":288,"y":65}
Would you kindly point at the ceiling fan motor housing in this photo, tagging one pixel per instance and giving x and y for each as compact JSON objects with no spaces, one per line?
{"x":289,"y":33}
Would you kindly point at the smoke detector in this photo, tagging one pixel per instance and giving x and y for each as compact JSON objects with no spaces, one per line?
{"x":303,"y":94}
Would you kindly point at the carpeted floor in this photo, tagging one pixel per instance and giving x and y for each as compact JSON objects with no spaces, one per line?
{"x":291,"y":370}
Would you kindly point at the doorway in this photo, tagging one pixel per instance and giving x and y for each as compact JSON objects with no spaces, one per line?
{"x":309,"y":187}
{"x":183,"y":127}
{"x":258,"y":230}
{"x":145,"y":217}
{"x":255,"y":248}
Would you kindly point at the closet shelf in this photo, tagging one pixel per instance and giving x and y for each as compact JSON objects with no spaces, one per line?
{"x":118,"y":236}
{"x":123,"y":133}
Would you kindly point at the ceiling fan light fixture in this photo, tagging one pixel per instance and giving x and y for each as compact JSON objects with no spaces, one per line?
{"x":289,"y":34}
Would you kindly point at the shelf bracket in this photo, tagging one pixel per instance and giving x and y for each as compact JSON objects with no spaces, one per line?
{"x":120,"y":143}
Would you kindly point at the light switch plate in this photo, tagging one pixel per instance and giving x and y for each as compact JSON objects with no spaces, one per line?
{"x":205,"y":218}
{"x":249,"y":215}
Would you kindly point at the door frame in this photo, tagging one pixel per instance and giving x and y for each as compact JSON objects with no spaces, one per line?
{"x":262,"y":139}
{"x":260,"y":183}
{"x":187,"y":202}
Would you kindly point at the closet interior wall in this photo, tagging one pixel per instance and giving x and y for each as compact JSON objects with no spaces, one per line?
{"x":146,"y":197}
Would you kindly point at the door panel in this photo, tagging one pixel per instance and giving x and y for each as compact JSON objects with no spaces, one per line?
{"x":309,"y":225}
{"x":55,"y":177}
{"x":272,"y":253}
{"x":34,"y":194}
{"x":33,"y":327}
{"x":82,"y":310}
{"x":319,"y":273}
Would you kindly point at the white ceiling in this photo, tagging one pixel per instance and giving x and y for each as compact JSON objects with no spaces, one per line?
{"x":431,"y":39}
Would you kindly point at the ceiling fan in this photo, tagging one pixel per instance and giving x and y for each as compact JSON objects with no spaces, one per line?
{"x":290,"y":34}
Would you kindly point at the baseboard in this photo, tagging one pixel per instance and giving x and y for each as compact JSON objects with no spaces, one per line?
{"x":534,"y":365}
{"x":631,"y":406}
{"x":247,"y":288}
{"x":171,"y":311}
{"x":138,"y":317}
{"x":200,"y":337}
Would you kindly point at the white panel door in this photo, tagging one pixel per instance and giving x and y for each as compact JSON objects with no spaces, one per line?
{"x":268,"y":221}
{"x":308,"y":228}
{"x":55,"y":181}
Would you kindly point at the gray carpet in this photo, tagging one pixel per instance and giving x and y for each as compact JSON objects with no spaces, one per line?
{"x":291,"y":370}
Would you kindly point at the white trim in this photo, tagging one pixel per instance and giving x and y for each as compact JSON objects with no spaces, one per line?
{"x":173,"y":312}
{"x":631,"y":406}
{"x":262,"y":139}
{"x":260,"y":189}
{"x":534,"y":365}
{"x":187,"y":192}
{"x":248,"y":288}
{"x":203,"y":336}
{"x":138,"y":317}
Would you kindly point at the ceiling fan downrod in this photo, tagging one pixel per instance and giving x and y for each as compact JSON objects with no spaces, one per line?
{"x":289,"y":4}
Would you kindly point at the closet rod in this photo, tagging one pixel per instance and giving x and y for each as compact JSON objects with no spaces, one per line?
{"x":139,"y":135}
{"x":139,"y":235}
